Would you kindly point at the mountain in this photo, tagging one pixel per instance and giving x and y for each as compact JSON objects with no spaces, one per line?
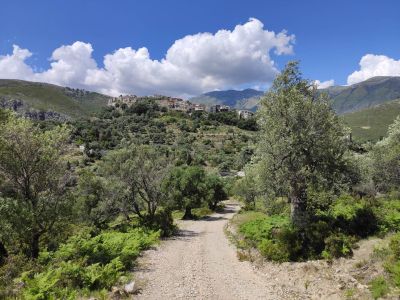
{"x":245,"y":99}
{"x":48,"y":100}
{"x":368,"y":93}
{"x":371,"y":124}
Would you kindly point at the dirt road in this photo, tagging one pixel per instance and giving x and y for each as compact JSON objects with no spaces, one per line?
{"x":200,"y":263}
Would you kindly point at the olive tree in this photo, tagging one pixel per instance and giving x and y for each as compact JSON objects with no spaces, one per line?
{"x":186,"y":188}
{"x":34,"y":178}
{"x":386,"y":160}
{"x":137,"y":173}
{"x":301,"y":144}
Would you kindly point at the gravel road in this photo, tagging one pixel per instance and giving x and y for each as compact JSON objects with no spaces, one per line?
{"x":200,"y":263}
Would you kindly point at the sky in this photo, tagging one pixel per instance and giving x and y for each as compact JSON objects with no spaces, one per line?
{"x":184,"y":48}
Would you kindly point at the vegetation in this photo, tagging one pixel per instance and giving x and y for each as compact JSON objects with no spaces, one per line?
{"x":368,"y":93}
{"x":371,"y":124}
{"x":80,"y":200}
{"x":73,"y":103}
{"x":309,"y":191}
{"x":73,"y":222}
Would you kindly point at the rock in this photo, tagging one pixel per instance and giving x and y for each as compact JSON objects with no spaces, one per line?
{"x":131,"y":287}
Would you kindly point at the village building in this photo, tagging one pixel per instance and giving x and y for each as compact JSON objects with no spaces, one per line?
{"x":245,"y":114}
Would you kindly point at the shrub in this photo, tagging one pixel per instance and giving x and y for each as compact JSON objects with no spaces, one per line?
{"x":378,"y":287}
{"x":338,"y":245}
{"x":388,"y":215}
{"x":261,"y":228}
{"x":355,"y":217}
{"x":273,"y":251}
{"x":86,"y":263}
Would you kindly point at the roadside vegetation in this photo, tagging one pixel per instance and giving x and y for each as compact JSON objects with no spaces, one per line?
{"x":309,"y":191}
{"x":74,"y":220}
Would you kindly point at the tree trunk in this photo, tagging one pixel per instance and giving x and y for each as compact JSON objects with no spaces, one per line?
{"x":3,"y":252}
{"x":298,"y":207}
{"x":35,"y":245}
{"x":188,"y":213}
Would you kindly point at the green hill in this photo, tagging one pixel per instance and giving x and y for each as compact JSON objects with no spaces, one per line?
{"x":372,"y":123}
{"x":26,"y":96}
{"x":365,"y":94}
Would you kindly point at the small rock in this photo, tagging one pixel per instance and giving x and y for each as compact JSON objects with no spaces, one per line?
{"x":131,"y":287}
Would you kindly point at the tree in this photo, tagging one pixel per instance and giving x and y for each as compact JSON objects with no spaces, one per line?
{"x":216,"y":191}
{"x":34,"y":181}
{"x":98,"y":202}
{"x":137,"y":173}
{"x":186,"y":188}
{"x":302,"y":142}
{"x":386,"y":160}
{"x":246,"y":189}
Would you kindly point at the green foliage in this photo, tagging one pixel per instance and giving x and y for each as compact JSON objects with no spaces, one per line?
{"x":34,"y":182}
{"x":386,"y":160}
{"x":216,"y":191}
{"x":378,"y":287}
{"x":388,"y":215}
{"x":338,"y":245}
{"x":355,"y":217}
{"x":273,"y":251}
{"x":186,"y":188}
{"x":301,"y":144}
{"x":331,"y":233}
{"x":86,"y":263}
{"x":262,"y":228}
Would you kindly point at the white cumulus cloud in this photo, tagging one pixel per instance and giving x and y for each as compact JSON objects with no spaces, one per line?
{"x":193,"y":64}
{"x":374,"y":65}
{"x":324,"y":84}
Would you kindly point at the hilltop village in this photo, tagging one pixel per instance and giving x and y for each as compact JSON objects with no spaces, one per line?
{"x":176,"y":104}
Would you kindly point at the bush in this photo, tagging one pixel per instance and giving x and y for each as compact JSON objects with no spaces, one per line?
{"x":262,"y":228}
{"x":273,"y":251}
{"x":354,"y":217}
{"x":338,"y":245}
{"x":388,"y":215}
{"x":86,"y":263}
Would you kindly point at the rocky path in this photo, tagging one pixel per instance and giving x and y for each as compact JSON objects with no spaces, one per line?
{"x":200,"y":263}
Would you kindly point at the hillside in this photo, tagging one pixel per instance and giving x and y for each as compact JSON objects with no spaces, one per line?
{"x":245,"y":99}
{"x":371,"y":124}
{"x":25,"y":96}
{"x":365,"y":94}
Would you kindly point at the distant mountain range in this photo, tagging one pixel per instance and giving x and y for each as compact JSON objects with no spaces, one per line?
{"x":365,"y":94}
{"x":367,"y":107}
{"x":345,"y":99}
{"x":245,"y":99}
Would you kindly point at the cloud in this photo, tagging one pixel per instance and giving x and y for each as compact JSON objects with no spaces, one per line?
{"x":193,"y":64}
{"x":13,"y":66}
{"x":324,"y":84}
{"x":374,"y":65}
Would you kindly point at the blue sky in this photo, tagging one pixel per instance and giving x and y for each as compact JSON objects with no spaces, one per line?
{"x":330,"y":36}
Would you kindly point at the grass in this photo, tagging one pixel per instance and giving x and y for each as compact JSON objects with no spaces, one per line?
{"x":47,"y":97}
{"x":371,"y":124}
{"x":378,"y":287}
